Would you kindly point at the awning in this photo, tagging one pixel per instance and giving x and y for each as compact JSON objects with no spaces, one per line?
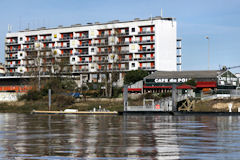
{"x":207,"y":84}
{"x":184,"y":86}
{"x":135,"y":89}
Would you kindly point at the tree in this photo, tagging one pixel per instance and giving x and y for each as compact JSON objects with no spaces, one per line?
{"x":191,"y":82}
{"x":134,"y":76}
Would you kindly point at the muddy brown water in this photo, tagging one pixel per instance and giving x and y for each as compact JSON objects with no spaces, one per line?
{"x":74,"y":137}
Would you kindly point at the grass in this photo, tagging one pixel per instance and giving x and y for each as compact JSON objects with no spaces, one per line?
{"x":208,"y":106}
{"x":82,"y":105}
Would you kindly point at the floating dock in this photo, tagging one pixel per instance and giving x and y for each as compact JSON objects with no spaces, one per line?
{"x":78,"y":112}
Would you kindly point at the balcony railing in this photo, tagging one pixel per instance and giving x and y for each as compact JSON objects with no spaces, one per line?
{"x":145,"y":42}
{"x":45,"y":40}
{"x":13,"y":50}
{"x":84,"y":62}
{"x":146,"y":33}
{"x":11,"y":58}
{"x":104,"y":35}
{"x":122,"y":43}
{"x":122,"y":34}
{"x":84,"y":45}
{"x":82,"y":37}
{"x":29,"y":49}
{"x":45,"y":48}
{"x":11,"y":66}
{"x":147,"y":68}
{"x":146,"y":50}
{"x":100,"y":44}
{"x":81,"y":70}
{"x":65,"y":55}
{"x":145,"y":59}
{"x":65,"y":38}
{"x":30,"y":41}
{"x":81,"y":54}
{"x":12,"y":43}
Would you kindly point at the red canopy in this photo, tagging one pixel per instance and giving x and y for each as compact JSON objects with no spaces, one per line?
{"x":207,"y":84}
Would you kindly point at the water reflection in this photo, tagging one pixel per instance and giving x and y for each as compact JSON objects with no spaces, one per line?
{"x":118,"y":137}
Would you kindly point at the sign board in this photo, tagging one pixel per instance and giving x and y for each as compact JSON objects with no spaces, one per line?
{"x":171,"y":80}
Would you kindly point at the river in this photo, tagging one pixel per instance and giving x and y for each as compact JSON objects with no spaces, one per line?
{"x":73,"y":137}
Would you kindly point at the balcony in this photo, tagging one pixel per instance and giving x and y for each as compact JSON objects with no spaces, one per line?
{"x":62,"y":47}
{"x":65,"y":55}
{"x":123,"y":52}
{"x":146,"y":50}
{"x":113,"y":69}
{"x":103,"y":53}
{"x":145,"y":59}
{"x":122,"y":34}
{"x":100,"y":44}
{"x":146,"y":33}
{"x":82,"y":37}
{"x":84,"y":62}
{"x":11,"y":66}
{"x":29,"y":49}
{"x":80,"y":70}
{"x":122,"y":43}
{"x":12,"y":43}
{"x":11,"y":58}
{"x":147,"y":68}
{"x":104,"y":35}
{"x":65,"y":39}
{"x":30,"y":41}
{"x":124,"y":60}
{"x":46,"y":40}
{"x":84,"y":45}
{"x":11,"y":51}
{"x":145,"y":42}
{"x":81,"y":54}
{"x":45,"y":48}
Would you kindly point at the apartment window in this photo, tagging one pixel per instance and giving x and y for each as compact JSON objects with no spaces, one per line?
{"x":144,"y":48}
{"x":21,"y":54}
{"x":92,"y":49}
{"x":21,"y":39}
{"x":133,"y":29}
{"x":73,"y":59}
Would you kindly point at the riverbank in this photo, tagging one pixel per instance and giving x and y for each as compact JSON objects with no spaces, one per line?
{"x":111,"y":104}
{"x":216,"y":105}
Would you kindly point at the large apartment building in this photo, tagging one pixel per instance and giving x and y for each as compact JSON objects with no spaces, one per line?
{"x":91,"y":50}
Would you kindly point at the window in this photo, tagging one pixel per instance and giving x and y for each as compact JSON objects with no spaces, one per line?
{"x":92,"y":49}
{"x":21,"y":54}
{"x":133,"y":29}
{"x":21,"y":39}
{"x":73,"y":59}
{"x":133,"y":64}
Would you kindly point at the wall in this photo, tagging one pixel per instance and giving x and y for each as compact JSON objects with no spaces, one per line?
{"x":9,"y":97}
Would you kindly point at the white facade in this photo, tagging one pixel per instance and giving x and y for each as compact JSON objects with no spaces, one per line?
{"x":141,"y":44}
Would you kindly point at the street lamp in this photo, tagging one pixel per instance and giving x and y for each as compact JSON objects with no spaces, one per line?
{"x":208,"y":52}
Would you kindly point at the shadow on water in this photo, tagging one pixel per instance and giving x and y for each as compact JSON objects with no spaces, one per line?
{"x":119,"y":137}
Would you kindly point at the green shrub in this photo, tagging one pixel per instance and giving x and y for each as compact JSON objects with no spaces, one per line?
{"x":31,"y":95}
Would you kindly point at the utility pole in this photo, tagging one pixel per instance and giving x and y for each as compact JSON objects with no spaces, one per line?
{"x":208,"y":52}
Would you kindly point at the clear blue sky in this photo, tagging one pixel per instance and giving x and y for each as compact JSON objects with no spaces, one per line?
{"x":196,"y":19}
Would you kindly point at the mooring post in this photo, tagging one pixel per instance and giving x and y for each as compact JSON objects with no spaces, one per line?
{"x":174,"y":97}
{"x":125,"y":97}
{"x":49,"y":99}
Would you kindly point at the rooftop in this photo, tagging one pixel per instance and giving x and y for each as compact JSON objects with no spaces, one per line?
{"x":97,"y":23}
{"x":185,"y":74}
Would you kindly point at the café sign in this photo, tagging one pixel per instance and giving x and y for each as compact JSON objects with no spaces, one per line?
{"x":171,"y":80}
